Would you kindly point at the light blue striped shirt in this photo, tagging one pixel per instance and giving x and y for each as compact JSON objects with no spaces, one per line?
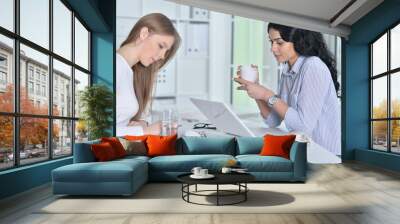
{"x":314,"y":109}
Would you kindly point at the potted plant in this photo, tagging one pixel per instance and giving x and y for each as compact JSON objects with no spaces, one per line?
{"x":96,"y":102}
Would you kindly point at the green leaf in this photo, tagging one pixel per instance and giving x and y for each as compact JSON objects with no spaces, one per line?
{"x":96,"y":102}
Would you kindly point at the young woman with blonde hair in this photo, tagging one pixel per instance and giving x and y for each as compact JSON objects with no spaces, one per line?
{"x":152,"y":42}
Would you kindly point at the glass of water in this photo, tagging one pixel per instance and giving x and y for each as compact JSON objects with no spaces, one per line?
{"x":169,"y":122}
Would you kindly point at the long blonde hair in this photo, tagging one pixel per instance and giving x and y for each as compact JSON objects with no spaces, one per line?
{"x":145,"y":77}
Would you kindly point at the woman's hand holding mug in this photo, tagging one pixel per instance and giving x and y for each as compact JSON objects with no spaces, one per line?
{"x":248,"y":72}
{"x":254,"y":90}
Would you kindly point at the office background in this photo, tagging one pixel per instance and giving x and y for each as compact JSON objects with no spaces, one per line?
{"x":98,"y":18}
{"x":214,"y":44}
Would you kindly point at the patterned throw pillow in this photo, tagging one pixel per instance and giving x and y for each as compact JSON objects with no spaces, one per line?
{"x":134,"y":147}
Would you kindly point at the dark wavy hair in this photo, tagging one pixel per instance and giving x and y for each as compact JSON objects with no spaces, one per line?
{"x":308,"y":43}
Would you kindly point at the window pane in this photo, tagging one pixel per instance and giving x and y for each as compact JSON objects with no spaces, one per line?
{"x":7,"y":14}
{"x":6,"y":74}
{"x":81,"y":81}
{"x":33,"y":140}
{"x":395,"y":47}
{"x":248,"y":48}
{"x":379,"y":98}
{"x":81,"y":131}
{"x":379,"y":135}
{"x":395,"y":136}
{"x":62,"y":89}
{"x":6,"y":142}
{"x":62,"y":132}
{"x":62,"y":29}
{"x":395,"y":94}
{"x":81,"y":45}
{"x":379,"y":55}
{"x":35,"y":21}
{"x":34,"y":78}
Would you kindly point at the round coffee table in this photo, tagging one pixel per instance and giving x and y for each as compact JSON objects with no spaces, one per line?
{"x":238,"y":179}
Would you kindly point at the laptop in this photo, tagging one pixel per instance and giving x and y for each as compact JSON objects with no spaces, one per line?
{"x":221,"y":115}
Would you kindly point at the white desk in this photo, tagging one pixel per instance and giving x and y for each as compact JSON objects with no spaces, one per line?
{"x":315,"y":153}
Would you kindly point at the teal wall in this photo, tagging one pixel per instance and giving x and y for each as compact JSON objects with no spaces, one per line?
{"x":24,"y":178}
{"x":103,"y":49}
{"x":102,"y":58}
{"x":103,"y":61}
{"x":380,"y":159}
{"x":100,"y":16}
{"x":356,"y":85}
{"x":92,"y":13}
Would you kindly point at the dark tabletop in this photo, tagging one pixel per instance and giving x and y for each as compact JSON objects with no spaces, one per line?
{"x":220,"y":178}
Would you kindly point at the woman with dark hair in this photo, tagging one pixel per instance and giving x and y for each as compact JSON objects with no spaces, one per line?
{"x":307,"y":92}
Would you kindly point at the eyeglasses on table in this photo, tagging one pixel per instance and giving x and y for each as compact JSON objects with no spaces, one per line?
{"x":204,"y":126}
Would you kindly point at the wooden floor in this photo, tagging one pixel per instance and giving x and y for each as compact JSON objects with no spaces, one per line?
{"x":378,"y":188}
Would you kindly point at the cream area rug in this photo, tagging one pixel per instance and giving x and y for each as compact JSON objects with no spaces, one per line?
{"x":167,"y":198}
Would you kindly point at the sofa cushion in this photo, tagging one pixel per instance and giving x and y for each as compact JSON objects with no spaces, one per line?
{"x":257,"y":163}
{"x":131,"y":158}
{"x":83,"y":152}
{"x":249,"y":145}
{"x":116,"y":145}
{"x":112,"y":171}
{"x":93,"y":172}
{"x":277,"y":145}
{"x":210,"y":145}
{"x":136,"y":137}
{"x":161,"y":145}
{"x":185,"y":163}
{"x":134,"y":147}
{"x":103,"y":152}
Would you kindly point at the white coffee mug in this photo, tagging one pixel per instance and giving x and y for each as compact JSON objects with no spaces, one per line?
{"x":226,"y":170}
{"x":203,"y":172}
{"x":248,"y":73}
{"x":196,"y":170}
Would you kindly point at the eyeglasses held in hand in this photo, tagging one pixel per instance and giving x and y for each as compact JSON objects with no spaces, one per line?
{"x":204,"y":125}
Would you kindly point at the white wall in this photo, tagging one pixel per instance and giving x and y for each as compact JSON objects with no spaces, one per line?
{"x":220,"y":57}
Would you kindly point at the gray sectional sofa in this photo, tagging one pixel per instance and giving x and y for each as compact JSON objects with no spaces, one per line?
{"x":125,"y":176}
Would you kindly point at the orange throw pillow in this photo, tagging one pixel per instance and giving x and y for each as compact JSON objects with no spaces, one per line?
{"x":161,"y":145}
{"x":116,"y":145}
{"x":277,"y":145}
{"x":103,"y":151}
{"x":136,"y":138}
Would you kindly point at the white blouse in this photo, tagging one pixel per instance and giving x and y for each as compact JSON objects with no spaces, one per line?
{"x":127,"y":104}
